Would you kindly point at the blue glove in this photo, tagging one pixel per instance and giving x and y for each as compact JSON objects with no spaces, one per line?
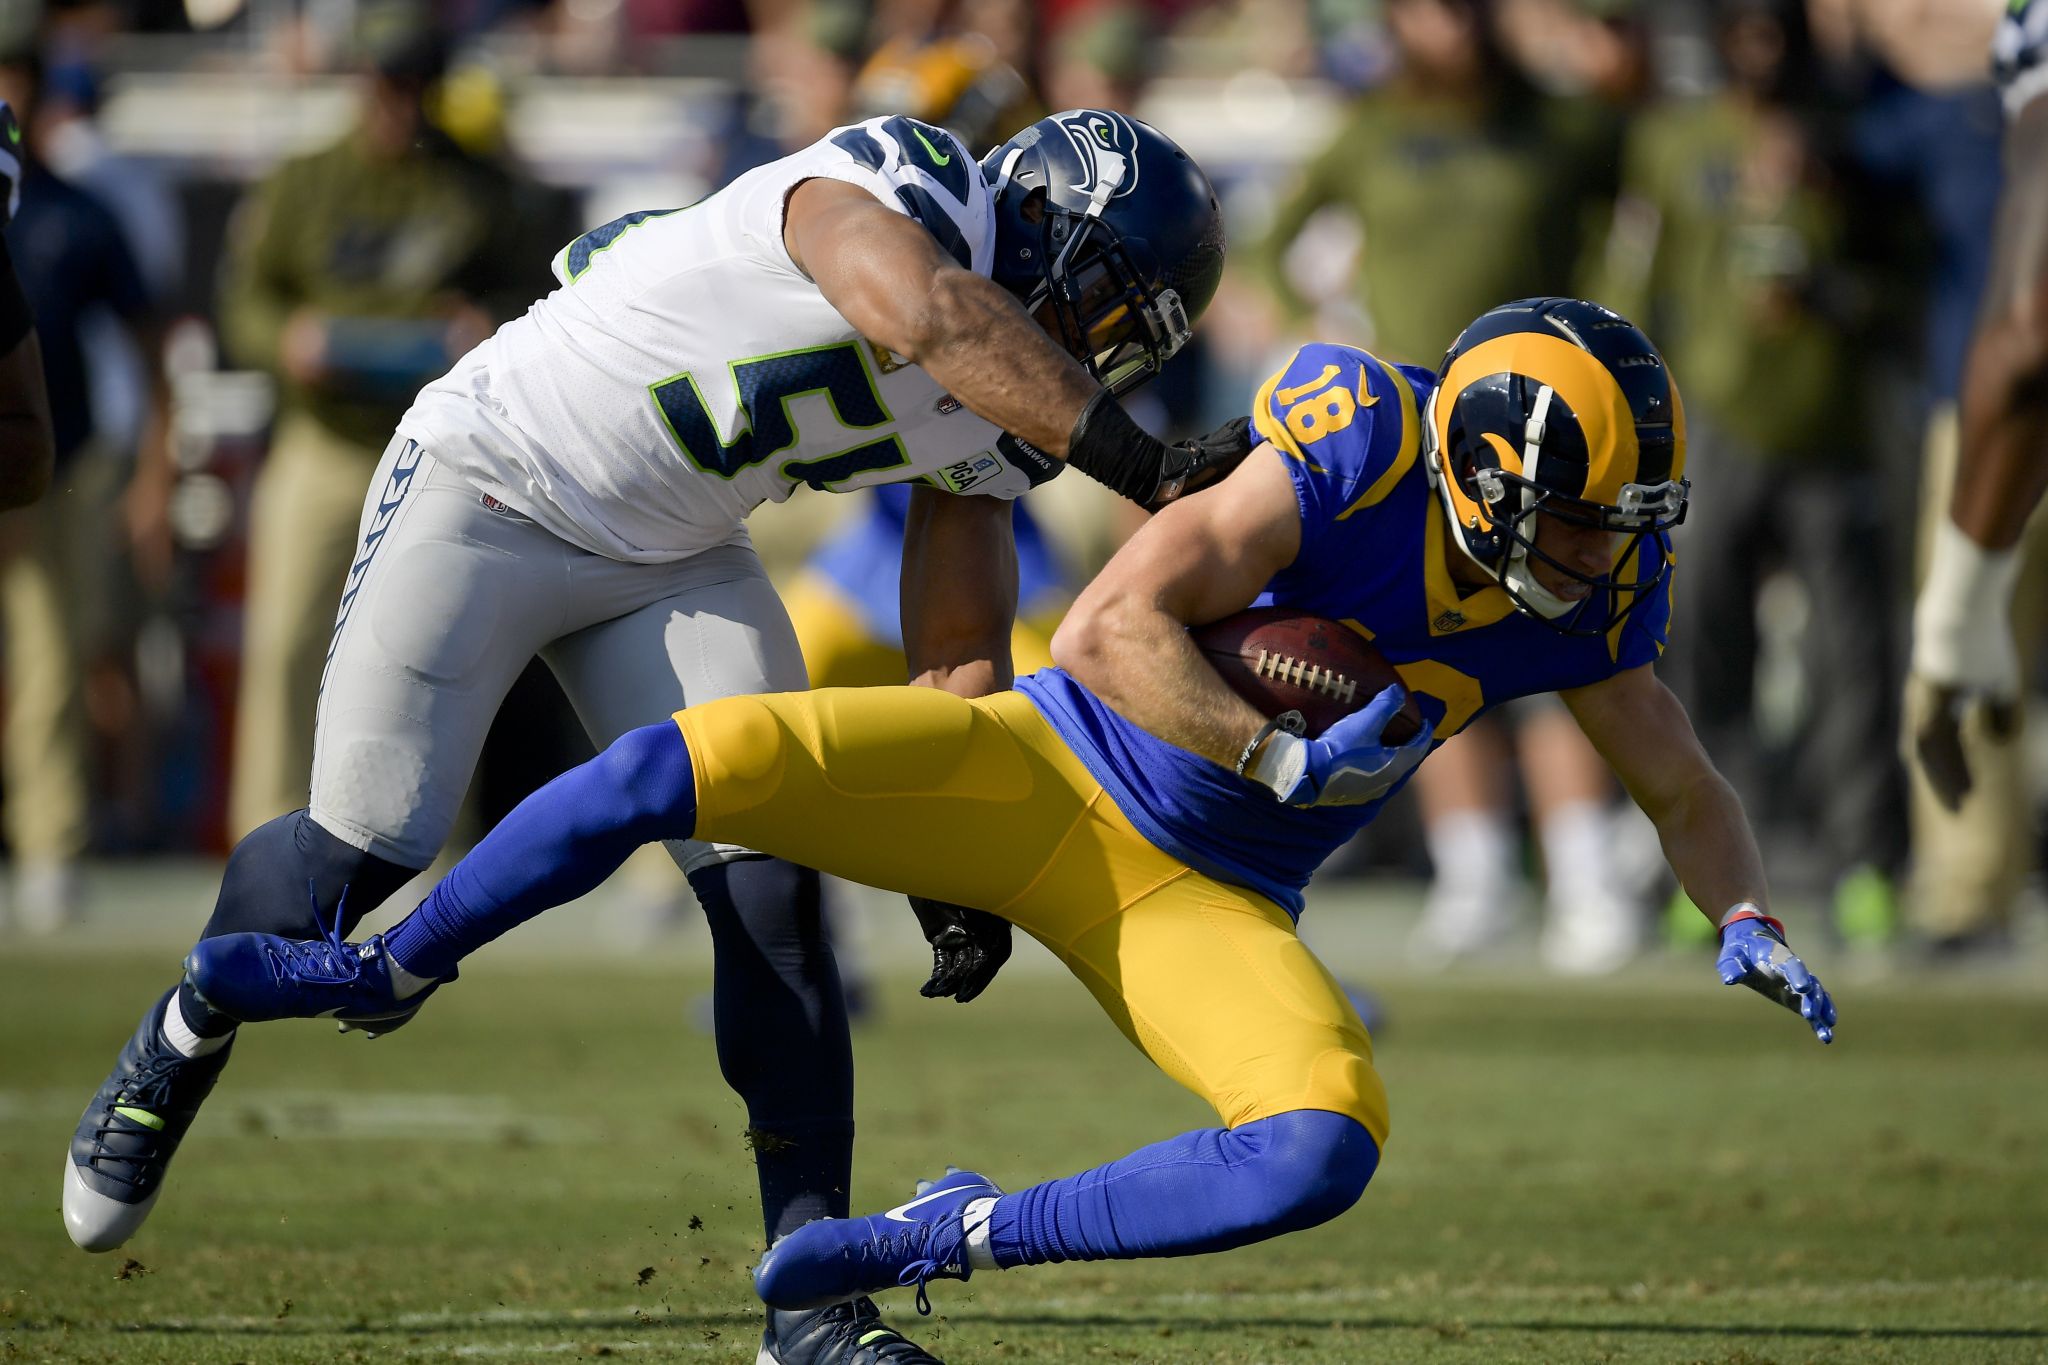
{"x":1754,"y":954}
{"x":1346,"y":765}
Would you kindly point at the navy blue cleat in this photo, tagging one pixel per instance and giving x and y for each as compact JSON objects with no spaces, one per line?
{"x":837,"y":1258}
{"x":259,"y":977}
{"x":130,"y":1131}
{"x":843,"y":1334}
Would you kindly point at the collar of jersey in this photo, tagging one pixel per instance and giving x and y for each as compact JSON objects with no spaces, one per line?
{"x":1440,"y":590}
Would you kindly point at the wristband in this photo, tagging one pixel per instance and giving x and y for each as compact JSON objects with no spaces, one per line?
{"x":1110,"y":448}
{"x":1962,"y":630}
{"x":1277,"y":765}
{"x":1743,"y":910}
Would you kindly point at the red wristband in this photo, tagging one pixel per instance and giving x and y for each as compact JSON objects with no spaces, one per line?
{"x":1745,"y":911}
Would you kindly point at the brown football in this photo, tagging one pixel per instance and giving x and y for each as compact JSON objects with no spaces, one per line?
{"x":1280,"y":660}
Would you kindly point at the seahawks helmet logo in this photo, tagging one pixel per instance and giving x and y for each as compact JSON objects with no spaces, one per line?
{"x":1106,"y":147}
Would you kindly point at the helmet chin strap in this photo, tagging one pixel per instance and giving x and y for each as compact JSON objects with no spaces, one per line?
{"x":1520,"y":580}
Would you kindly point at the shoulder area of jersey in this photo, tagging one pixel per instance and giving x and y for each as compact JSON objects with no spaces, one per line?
{"x":901,"y":148}
{"x":1326,"y":389}
{"x":2019,"y":54}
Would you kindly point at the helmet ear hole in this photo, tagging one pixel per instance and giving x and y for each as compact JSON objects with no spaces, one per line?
{"x":1032,"y":210}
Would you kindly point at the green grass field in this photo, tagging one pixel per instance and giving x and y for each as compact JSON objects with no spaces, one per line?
{"x":548,"y":1166}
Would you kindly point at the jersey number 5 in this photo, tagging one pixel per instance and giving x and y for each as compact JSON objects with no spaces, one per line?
{"x":765,"y":386}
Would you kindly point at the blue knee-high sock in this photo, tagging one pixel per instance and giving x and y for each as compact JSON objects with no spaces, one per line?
{"x":783,"y":1044}
{"x":555,"y":845}
{"x":1202,"y":1191}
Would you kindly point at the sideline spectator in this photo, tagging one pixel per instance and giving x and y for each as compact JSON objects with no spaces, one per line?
{"x":1728,"y":244}
{"x":24,"y":396}
{"x":73,"y":261}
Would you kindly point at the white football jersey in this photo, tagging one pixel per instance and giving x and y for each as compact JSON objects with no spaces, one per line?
{"x":686,"y":371}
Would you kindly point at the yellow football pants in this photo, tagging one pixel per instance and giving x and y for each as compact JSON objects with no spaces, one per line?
{"x":979,"y":802}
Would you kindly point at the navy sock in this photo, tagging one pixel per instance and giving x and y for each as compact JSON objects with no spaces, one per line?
{"x":289,"y":876}
{"x":1203,"y":1191}
{"x":555,"y":845}
{"x":783,"y":1044}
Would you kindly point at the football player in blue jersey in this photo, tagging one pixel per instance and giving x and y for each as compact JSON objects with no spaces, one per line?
{"x":1498,"y":530}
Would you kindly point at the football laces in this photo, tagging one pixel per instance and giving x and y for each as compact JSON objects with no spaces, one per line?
{"x":1327,"y":682}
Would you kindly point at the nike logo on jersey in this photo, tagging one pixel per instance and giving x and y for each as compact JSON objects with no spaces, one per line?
{"x":900,"y":1213}
{"x":938,"y":157}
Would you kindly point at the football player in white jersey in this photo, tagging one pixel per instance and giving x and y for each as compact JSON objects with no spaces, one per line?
{"x":1964,"y":654}
{"x":875,"y":308}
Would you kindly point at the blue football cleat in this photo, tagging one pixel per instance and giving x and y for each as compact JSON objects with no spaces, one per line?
{"x":124,"y":1143}
{"x":837,"y":1258}
{"x":258,"y":977}
{"x":843,"y":1334}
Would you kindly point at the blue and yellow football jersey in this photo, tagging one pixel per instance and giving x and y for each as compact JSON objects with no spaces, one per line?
{"x":1374,"y":554}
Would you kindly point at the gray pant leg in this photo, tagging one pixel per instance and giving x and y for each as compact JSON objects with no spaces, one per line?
{"x":717,"y":630}
{"x":446,"y":602}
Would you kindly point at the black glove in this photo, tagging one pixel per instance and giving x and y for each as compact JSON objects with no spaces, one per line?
{"x":968,"y":948}
{"x":1110,"y":448}
{"x":1205,"y":460}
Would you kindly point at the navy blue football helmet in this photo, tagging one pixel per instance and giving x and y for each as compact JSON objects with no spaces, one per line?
{"x":1110,"y":235}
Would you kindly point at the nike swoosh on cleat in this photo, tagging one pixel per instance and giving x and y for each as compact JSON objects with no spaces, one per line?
{"x":901,"y":1209}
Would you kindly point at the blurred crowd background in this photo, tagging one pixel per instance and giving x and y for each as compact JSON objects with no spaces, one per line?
{"x":252,"y":228}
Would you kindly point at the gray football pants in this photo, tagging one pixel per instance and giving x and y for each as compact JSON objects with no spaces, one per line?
{"x":449,"y":597}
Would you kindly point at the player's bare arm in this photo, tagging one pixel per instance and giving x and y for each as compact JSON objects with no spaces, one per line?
{"x":959,"y":592}
{"x":889,"y":278}
{"x":1641,"y":729}
{"x":2000,"y":475}
{"x":1198,"y":560}
{"x":1963,"y":650}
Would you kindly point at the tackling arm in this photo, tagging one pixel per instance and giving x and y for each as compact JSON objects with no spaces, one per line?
{"x":887,"y":276}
